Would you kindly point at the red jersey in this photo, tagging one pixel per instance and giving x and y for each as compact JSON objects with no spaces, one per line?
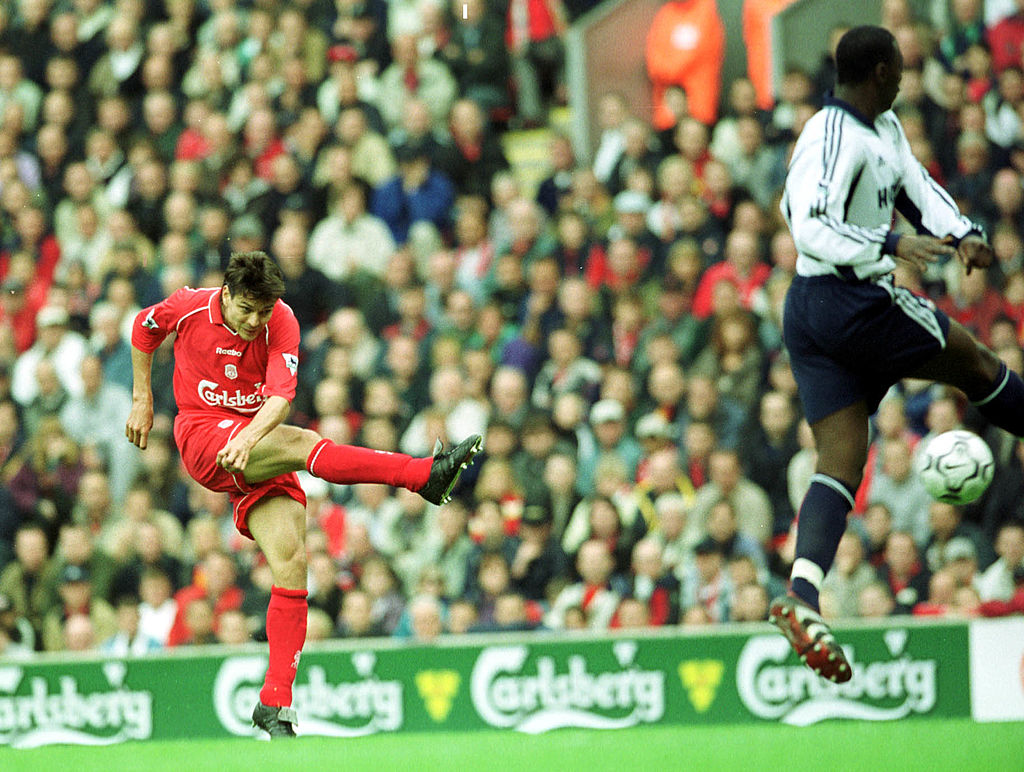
{"x":215,"y":369}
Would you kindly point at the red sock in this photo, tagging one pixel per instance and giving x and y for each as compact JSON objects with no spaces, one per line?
{"x":286,"y":632}
{"x":349,"y":464}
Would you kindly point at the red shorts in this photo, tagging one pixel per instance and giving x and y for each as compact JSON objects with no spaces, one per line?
{"x":199,"y":437}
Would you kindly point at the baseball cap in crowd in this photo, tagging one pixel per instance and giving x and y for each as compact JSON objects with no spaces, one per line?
{"x":73,"y":573}
{"x":960,"y":548}
{"x":410,"y":150}
{"x":707,"y":546}
{"x":631,"y":202}
{"x":51,"y":316}
{"x":606,"y":410}
{"x":536,"y":514}
{"x":12,"y":285}
{"x":654,"y":426}
{"x":536,"y":421}
{"x":247,"y":226}
{"x":297,"y":202}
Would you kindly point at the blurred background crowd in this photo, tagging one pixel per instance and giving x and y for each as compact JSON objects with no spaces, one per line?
{"x":613,"y":332}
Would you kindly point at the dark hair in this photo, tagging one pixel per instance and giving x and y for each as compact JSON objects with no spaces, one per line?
{"x":860,"y":50}
{"x":254,"y":274}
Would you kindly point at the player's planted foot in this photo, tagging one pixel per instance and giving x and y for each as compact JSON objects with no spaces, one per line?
{"x":811,"y":638}
{"x":277,"y":722}
{"x":447,"y":467}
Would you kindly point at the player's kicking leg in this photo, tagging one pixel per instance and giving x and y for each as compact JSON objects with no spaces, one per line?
{"x":996,"y":391}
{"x":841,"y":439}
{"x":278,"y":524}
{"x":290,"y":449}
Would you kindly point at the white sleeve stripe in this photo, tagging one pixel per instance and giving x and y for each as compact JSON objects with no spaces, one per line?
{"x":829,"y":158}
{"x":854,"y":232}
{"x":836,"y":139}
{"x":826,"y":146}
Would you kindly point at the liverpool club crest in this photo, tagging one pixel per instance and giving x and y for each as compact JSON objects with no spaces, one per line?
{"x":231,"y":371}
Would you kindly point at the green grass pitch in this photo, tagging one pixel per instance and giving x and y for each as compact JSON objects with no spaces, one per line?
{"x":928,"y":744}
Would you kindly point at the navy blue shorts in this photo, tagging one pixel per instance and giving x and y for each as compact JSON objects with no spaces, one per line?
{"x":850,"y":341}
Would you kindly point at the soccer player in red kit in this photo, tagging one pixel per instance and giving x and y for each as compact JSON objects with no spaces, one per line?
{"x":236,"y":361}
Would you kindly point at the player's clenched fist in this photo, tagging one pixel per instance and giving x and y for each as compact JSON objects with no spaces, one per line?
{"x":235,"y":455}
{"x":140,"y":421}
{"x":974,"y":252}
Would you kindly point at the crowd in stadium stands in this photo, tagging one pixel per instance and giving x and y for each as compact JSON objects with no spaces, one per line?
{"x":614,"y":334}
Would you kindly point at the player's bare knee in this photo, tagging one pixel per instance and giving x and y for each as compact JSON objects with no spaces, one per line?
{"x":300,"y":443}
{"x":288,"y":565}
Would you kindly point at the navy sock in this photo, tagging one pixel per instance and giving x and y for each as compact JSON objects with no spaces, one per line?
{"x":1004,"y":405}
{"x":820,"y":526}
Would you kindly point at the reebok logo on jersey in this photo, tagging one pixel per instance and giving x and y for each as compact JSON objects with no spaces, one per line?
{"x":208,"y":393}
{"x":229,"y":352}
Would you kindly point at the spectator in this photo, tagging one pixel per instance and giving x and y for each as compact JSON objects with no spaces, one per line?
{"x":849,"y":575}
{"x":686,"y":47}
{"x":356,"y":619}
{"x":411,"y":76}
{"x":538,"y":560}
{"x":129,"y":640}
{"x":17,"y":638}
{"x":653,"y":585}
{"x":607,"y":434}
{"x":55,"y":343}
{"x":77,"y":599}
{"x":426,"y":614}
{"x":476,"y":55}
{"x":901,"y":490}
{"x":474,"y":155}
{"x":749,"y":501}
{"x":45,"y":476}
{"x":420,"y":195}
{"x":201,"y":602}
{"x":903,"y":572}
{"x":92,"y":421}
{"x":706,"y":584}
{"x":875,"y":601}
{"x":352,"y":241}
{"x":534,"y":37}
{"x":592,"y":595}
{"x":997,"y":581}
{"x":23,"y":579}
{"x":947,"y":523}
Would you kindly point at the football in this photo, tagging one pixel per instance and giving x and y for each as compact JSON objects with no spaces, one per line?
{"x":956,"y":467}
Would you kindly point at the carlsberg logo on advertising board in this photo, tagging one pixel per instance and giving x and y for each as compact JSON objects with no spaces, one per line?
{"x":339,"y":709}
{"x":41,"y":716}
{"x":537,"y":699}
{"x":880,"y":690}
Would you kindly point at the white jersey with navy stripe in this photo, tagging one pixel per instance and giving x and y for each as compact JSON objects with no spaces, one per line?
{"x":845,"y":180}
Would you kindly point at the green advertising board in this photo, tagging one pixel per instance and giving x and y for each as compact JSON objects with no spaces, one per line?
{"x":528,"y":684}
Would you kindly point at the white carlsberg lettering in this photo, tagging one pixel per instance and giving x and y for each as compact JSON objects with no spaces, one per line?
{"x":229,"y":352}
{"x":365,"y":706}
{"x":245,"y":402}
{"x":504,"y":696}
{"x":793,"y":694}
{"x":68,"y":716}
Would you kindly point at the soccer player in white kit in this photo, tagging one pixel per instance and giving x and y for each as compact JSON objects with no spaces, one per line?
{"x":850,"y":331}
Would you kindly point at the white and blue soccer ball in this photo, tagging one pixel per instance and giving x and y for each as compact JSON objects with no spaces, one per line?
{"x":955,"y":467}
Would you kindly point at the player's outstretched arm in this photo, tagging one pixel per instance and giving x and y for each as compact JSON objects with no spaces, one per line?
{"x":140,"y":419}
